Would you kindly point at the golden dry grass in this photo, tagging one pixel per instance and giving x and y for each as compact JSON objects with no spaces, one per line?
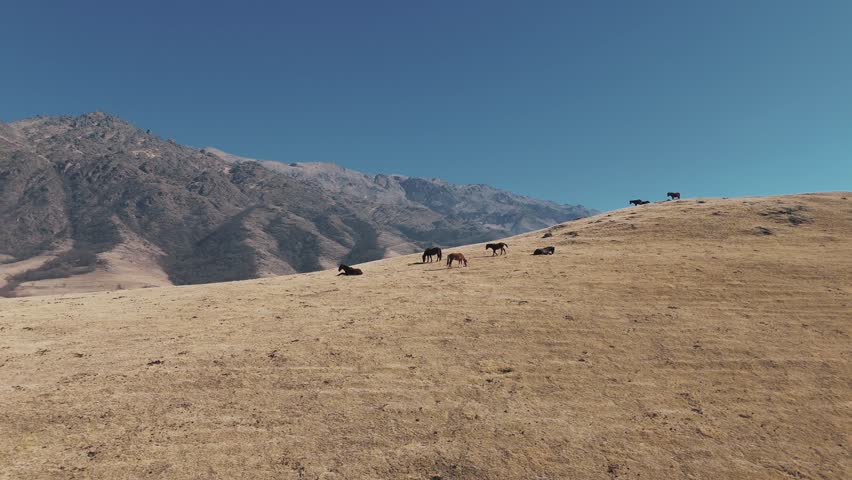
{"x":131,"y":264}
{"x":675,"y":340}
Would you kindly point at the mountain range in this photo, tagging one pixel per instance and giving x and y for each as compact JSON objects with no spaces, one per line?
{"x":94,"y":203}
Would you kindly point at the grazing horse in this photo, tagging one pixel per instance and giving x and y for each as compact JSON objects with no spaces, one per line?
{"x":545,"y":251}
{"x":458,"y":257}
{"x":638,"y":201}
{"x":347,"y":270}
{"x":431,"y":251}
{"x":497,"y":246}
{"x":674,"y":195}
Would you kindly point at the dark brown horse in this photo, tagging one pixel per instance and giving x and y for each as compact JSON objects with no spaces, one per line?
{"x":347,"y":270}
{"x":638,"y":201}
{"x":497,"y":246}
{"x":545,"y":251}
{"x":458,"y":257}
{"x":430,"y":252}
{"x":674,"y":195}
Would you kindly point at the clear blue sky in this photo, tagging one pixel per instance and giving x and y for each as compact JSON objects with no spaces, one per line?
{"x":592,"y":102}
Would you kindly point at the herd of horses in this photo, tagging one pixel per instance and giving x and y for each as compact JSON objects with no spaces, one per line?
{"x":430,"y":253}
{"x":639,"y":201}
{"x":496,"y":248}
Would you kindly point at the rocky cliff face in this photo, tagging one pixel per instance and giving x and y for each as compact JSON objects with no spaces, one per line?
{"x":503,"y":211}
{"x":75,"y":189}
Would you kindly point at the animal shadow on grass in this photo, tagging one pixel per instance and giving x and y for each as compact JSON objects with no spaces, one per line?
{"x":444,"y":269}
{"x":419,"y":263}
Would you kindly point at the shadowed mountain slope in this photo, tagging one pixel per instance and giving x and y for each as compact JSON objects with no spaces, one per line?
{"x":698,"y":339}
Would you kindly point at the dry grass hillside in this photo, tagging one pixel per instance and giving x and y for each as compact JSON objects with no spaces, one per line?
{"x":704,"y":339}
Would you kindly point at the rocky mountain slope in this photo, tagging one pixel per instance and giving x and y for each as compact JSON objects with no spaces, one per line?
{"x":93,"y":203}
{"x":497,"y":209}
{"x":691,"y":339}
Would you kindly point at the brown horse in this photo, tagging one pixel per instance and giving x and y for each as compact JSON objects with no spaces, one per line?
{"x":674,"y":195}
{"x":458,"y":257}
{"x":497,"y":246}
{"x":347,"y":270}
{"x":431,"y":251}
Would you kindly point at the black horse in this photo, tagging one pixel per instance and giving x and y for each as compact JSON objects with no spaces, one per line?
{"x":347,"y":270}
{"x":545,"y":251}
{"x":644,"y":202}
{"x":431,"y":251}
{"x":674,"y":195}
{"x":497,"y":246}
{"x":638,"y":201}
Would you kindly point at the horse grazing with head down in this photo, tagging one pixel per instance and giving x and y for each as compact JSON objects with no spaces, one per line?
{"x":458,"y":257}
{"x":674,"y":195}
{"x":497,"y":246}
{"x":429,"y":252}
{"x":347,"y":270}
{"x":638,"y":201}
